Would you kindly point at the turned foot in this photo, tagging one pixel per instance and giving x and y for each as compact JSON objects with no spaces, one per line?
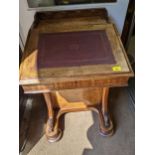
{"x":54,"y":135}
{"x":106,"y":129}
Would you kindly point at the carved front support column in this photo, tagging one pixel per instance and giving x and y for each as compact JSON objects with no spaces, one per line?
{"x":106,"y":125}
{"x":52,"y":132}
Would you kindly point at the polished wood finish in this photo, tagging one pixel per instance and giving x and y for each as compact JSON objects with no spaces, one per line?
{"x":31,"y":75}
{"x":68,"y":89}
{"x":85,"y":82}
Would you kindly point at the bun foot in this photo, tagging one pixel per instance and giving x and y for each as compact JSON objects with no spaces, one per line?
{"x":107,"y":133}
{"x":107,"y":130}
{"x":54,"y":136}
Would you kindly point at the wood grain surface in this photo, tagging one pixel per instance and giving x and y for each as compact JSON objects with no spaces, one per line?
{"x":79,"y":76}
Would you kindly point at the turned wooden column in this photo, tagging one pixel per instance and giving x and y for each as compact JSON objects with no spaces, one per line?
{"x":107,"y":126}
{"x":52,"y":132}
{"x":49,"y":105}
{"x":105,"y":107}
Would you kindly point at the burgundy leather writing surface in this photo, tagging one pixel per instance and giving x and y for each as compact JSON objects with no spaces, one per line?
{"x":74,"y":49}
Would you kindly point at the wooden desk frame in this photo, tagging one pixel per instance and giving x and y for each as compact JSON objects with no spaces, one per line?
{"x":51,"y":81}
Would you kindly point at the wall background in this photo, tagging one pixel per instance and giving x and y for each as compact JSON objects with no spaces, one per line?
{"x":116,"y":11}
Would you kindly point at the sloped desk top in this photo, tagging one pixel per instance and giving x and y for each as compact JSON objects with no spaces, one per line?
{"x":87,"y":67}
{"x":69,"y":49}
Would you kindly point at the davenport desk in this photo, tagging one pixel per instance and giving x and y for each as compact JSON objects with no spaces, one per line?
{"x":73,"y":58}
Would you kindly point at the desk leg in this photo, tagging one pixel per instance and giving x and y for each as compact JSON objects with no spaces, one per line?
{"x":107,"y":125}
{"x":52,"y":132}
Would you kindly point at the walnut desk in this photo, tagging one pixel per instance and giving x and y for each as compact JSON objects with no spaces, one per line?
{"x":73,"y":58}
